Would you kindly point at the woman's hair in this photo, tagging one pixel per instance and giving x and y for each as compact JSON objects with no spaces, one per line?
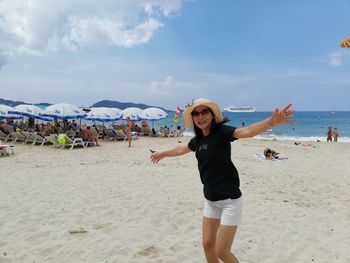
{"x":213,"y":127}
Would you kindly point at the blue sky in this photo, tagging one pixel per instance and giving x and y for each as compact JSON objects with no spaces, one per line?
{"x":166,"y":53}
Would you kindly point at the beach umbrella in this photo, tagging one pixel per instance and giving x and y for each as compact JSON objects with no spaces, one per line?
{"x":28,"y":110}
{"x":345,"y":43}
{"x":104,"y":114}
{"x":132,"y":112}
{"x":63,"y":111}
{"x":153,"y":114}
{"x":4,"y":113}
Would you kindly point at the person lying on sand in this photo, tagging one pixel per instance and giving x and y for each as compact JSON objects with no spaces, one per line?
{"x":271,"y":155}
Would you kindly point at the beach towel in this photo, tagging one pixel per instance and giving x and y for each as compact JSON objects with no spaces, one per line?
{"x":262,"y":157}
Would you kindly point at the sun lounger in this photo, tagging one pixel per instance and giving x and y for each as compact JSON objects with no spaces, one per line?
{"x":39,"y":139}
{"x":165,"y":132}
{"x":28,"y":137}
{"x":52,"y":138}
{"x":4,"y":137}
{"x":96,"y":133}
{"x":69,"y":142}
{"x":110,"y":134}
{"x":146,"y":131}
{"x":17,"y":137}
{"x":6,"y":150}
{"x":120,"y":135}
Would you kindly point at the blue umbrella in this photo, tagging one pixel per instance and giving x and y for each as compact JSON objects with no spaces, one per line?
{"x":132,"y":113}
{"x":104,"y":114}
{"x":63,"y":111}
{"x":153,"y":114}
{"x":4,"y":113}
{"x":28,"y":110}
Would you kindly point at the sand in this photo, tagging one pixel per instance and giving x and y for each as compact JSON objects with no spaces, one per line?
{"x":110,"y":204}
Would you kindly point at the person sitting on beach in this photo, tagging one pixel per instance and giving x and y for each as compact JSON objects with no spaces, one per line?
{"x":144,"y":124}
{"x":329,"y":134}
{"x":87,"y":136}
{"x":48,"y":129}
{"x":221,"y":185}
{"x":136,"y":128}
{"x":335,"y":135}
{"x":6,"y":128}
{"x":153,"y":132}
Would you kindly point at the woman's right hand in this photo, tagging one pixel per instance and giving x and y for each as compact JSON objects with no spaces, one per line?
{"x":156,"y":157}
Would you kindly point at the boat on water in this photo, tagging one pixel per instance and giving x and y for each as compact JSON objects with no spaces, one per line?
{"x":243,"y":108}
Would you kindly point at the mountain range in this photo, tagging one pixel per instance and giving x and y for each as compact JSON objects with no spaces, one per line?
{"x":102,"y":103}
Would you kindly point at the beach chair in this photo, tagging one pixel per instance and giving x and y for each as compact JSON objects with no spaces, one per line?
{"x":29,"y":138}
{"x":17,"y":137}
{"x":52,"y":138}
{"x":71,"y":143}
{"x":120,"y":135}
{"x":6,"y":150}
{"x":165,"y":132}
{"x":4,"y":137}
{"x":110,"y":134}
{"x":146,"y":131}
{"x":178,"y":133}
{"x":96,"y":133}
{"x":39,"y":138}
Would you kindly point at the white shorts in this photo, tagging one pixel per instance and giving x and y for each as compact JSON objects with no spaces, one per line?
{"x":228,"y":210}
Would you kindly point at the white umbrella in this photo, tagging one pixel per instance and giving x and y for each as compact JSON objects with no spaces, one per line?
{"x":63,"y":111}
{"x":153,"y":114}
{"x":29,"y":111}
{"x":4,"y":113}
{"x":104,"y":114}
{"x":132,"y":112}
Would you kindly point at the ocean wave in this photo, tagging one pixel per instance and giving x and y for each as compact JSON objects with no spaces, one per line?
{"x":271,"y":137}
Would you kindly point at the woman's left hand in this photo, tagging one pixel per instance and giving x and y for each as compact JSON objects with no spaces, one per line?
{"x":283,"y":116}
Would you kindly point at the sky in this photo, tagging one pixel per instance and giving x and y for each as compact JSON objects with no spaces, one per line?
{"x":168,"y":52}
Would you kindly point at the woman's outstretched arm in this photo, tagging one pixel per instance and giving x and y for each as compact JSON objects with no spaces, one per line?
{"x":181,"y":150}
{"x":279,"y":117}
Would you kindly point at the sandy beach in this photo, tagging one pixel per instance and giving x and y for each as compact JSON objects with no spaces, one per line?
{"x":110,"y":204}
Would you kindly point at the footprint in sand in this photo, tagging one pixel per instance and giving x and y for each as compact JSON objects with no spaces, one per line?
{"x":149,"y":251}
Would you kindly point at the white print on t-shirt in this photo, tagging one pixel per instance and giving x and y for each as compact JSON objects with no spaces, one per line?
{"x":203,"y":147}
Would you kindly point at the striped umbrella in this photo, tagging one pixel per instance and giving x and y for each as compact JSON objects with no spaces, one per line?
{"x":345,"y":43}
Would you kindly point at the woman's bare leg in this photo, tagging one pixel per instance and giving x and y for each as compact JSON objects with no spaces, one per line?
{"x":224,"y":241}
{"x":210,"y":231}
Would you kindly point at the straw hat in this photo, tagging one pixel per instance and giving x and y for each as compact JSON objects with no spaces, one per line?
{"x":215,"y":108}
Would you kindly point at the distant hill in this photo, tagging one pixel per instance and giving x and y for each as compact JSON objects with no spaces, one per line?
{"x":12,"y":103}
{"x":121,"y":105}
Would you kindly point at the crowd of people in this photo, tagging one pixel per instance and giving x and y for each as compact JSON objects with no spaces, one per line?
{"x":92,"y":133}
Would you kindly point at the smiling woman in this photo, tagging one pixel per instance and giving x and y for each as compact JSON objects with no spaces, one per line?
{"x":222,"y":210}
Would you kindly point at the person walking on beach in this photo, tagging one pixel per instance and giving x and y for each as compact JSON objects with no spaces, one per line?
{"x":212,"y":145}
{"x":329,"y":134}
{"x":335,"y":135}
{"x":128,"y":127}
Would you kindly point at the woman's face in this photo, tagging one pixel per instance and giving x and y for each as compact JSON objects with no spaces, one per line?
{"x":202,"y":117}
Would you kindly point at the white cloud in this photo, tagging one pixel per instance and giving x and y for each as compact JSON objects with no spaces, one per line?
{"x":48,"y":25}
{"x":336,"y":58}
{"x":167,"y":86}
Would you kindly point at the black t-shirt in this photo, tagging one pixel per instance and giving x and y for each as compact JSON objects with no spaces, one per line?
{"x":218,"y":174}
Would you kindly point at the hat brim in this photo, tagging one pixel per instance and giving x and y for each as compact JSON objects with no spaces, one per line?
{"x":215,"y":108}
